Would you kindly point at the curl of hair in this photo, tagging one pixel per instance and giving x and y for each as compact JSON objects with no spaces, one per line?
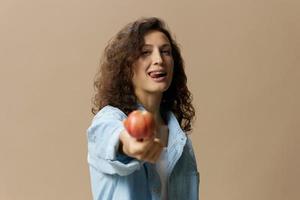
{"x":113,"y":82}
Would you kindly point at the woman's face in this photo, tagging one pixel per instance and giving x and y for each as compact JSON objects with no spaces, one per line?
{"x":153,"y":70}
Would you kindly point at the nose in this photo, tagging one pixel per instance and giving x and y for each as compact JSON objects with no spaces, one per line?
{"x":157,"y":58}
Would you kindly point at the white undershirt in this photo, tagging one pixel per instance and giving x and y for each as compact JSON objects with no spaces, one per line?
{"x":161,"y":167}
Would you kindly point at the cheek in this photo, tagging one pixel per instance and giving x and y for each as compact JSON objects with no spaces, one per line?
{"x":139,"y":67}
{"x":139,"y":76}
{"x":136,"y":71}
{"x":135,"y":77}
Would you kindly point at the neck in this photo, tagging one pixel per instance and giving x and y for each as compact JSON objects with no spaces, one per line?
{"x":152,"y":104}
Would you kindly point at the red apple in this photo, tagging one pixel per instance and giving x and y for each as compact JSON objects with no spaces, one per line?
{"x":140,"y":124}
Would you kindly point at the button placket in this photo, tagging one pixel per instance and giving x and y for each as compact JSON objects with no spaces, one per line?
{"x":154,"y":180}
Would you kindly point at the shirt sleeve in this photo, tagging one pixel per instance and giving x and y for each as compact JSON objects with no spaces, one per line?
{"x":103,"y":144}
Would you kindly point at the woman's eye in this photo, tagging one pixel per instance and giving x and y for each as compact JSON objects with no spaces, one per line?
{"x":166,"y":52}
{"x":146,"y":53}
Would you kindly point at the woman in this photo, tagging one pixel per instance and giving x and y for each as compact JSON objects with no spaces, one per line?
{"x":142,"y":68}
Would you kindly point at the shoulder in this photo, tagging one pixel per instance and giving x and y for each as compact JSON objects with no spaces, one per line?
{"x":108,"y":120}
{"x":110,"y":112}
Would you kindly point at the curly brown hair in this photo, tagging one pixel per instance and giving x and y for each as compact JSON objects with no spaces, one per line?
{"x":113,"y":82}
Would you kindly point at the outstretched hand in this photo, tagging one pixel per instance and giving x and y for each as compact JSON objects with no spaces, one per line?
{"x":148,"y":150}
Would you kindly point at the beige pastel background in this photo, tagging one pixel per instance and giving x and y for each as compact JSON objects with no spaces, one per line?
{"x":243,"y":63}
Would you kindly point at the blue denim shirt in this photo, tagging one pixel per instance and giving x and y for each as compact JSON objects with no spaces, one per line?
{"x":118,"y":177}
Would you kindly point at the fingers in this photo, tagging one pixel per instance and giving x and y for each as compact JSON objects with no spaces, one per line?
{"x":147,"y":149}
{"x":153,"y":153}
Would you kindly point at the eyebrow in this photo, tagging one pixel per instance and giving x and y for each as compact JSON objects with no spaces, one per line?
{"x":162,"y":46}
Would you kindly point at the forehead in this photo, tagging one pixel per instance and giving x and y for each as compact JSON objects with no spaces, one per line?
{"x":155,"y":38}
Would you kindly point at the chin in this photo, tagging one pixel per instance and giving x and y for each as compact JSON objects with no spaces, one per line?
{"x":159,"y":90}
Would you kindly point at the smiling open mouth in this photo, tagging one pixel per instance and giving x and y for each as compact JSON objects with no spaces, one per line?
{"x":157,"y":74}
